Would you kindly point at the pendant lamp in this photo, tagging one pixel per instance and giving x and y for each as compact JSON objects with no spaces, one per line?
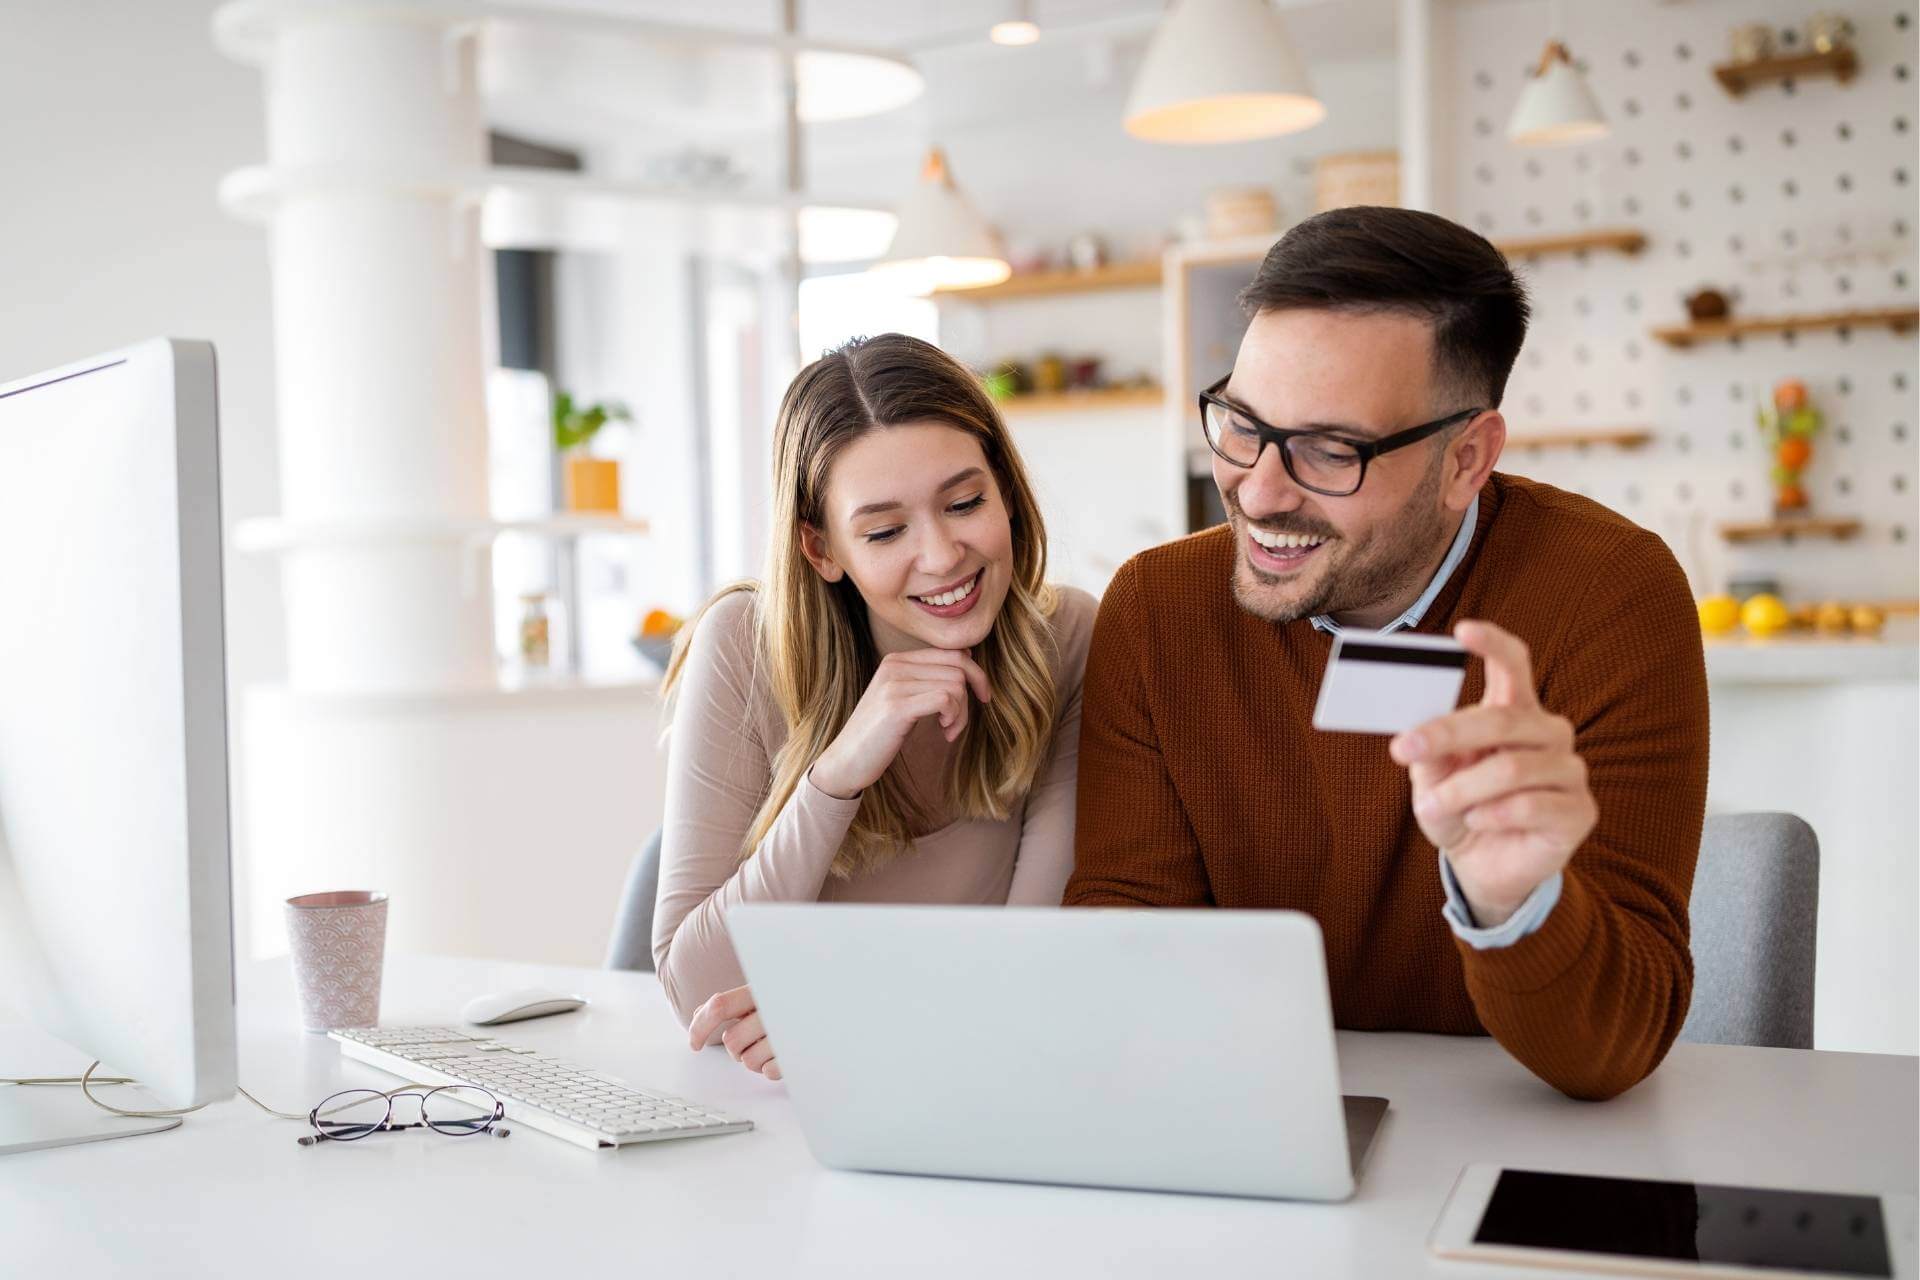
{"x":1556,"y":107}
{"x":942,"y":242}
{"x":1221,"y":71}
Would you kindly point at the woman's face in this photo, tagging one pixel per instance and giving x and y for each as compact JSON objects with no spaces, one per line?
{"x":916,"y":520}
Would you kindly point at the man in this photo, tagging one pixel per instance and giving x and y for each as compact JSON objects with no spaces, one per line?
{"x":1520,"y":867}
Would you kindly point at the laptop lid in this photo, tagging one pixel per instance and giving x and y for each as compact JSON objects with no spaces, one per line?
{"x":1164,"y":1050}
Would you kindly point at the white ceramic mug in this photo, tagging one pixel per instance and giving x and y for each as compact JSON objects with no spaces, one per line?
{"x":339,"y":943}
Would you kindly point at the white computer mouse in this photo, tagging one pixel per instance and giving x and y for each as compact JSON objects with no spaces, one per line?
{"x":512,"y":1006}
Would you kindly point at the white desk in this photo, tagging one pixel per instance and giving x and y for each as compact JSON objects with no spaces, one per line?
{"x":230,"y":1194}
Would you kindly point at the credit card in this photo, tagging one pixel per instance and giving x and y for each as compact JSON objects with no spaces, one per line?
{"x":1378,"y":683}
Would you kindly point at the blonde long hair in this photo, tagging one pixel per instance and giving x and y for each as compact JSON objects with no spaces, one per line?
{"x":812,"y":637}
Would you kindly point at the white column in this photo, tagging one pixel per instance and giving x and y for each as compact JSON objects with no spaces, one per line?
{"x":373,"y":122}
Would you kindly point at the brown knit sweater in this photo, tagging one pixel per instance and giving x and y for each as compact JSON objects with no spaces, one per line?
{"x":1202,"y":783}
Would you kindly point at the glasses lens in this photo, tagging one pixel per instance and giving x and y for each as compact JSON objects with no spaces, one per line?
{"x":353,"y":1114}
{"x":458,"y":1109}
{"x":1230,"y":435}
{"x":1325,"y":464}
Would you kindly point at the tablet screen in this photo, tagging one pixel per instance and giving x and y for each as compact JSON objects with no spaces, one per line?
{"x":1685,"y":1221}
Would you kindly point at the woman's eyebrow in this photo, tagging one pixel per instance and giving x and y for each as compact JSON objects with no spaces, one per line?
{"x":874,"y":508}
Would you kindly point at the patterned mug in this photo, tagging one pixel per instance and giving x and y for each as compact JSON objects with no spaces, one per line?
{"x":339,"y":940}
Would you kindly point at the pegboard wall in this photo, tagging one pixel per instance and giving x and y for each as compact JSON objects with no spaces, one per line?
{"x":1795,"y":198}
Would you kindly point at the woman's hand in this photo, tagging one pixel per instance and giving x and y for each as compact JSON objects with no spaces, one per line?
{"x":745,"y":1039}
{"x":907,"y":688}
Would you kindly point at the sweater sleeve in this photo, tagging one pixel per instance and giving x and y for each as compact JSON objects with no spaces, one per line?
{"x":1592,"y":1000}
{"x":1133,"y":845}
{"x":1045,"y":858}
{"x":718,"y":773}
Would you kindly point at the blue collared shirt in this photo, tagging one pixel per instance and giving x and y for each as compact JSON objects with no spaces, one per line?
{"x":1534,"y":911}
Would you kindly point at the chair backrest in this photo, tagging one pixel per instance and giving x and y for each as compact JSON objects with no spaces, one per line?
{"x":1756,"y":897}
{"x":632,"y":945}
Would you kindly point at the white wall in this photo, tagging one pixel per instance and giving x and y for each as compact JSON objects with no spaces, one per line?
{"x":121,"y":119}
{"x":1801,"y":201}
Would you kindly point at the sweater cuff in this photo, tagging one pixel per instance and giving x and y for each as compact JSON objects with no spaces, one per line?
{"x":1540,"y":958}
{"x":1526,"y":920}
{"x":825,"y":803}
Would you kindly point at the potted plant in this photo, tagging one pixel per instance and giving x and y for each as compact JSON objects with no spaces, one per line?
{"x":590,"y":483}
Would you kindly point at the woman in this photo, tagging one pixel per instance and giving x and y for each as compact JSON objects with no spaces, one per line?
{"x":893,"y":715}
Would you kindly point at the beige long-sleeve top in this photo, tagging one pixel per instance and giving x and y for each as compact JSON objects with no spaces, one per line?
{"x":727,"y":729}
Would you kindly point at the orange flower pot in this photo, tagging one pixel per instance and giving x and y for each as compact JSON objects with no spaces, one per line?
{"x":592,"y":485}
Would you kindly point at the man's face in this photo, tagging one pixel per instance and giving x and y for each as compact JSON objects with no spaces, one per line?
{"x":1365,"y":375}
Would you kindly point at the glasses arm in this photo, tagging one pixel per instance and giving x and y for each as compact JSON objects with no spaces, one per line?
{"x":1372,"y":449}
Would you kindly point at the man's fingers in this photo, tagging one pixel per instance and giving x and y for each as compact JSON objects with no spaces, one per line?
{"x":1537,"y":810}
{"x":1484,"y":726}
{"x":1500,"y":774}
{"x":1509,"y":665}
{"x":717,"y":1012}
{"x":1428,"y":774}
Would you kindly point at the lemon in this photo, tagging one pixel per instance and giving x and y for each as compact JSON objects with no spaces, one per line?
{"x":1719,"y":615}
{"x":1763,"y":615}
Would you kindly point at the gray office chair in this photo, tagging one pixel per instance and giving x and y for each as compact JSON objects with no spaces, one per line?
{"x":1756,"y":897}
{"x":632,"y":945}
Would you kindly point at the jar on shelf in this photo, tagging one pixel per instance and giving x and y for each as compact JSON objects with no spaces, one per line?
{"x":536,"y":630}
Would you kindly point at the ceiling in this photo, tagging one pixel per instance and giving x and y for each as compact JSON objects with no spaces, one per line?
{"x":589,"y":87}
{"x":1331,"y":29}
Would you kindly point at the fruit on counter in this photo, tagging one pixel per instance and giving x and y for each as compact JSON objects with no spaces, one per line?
{"x":1764,"y":615}
{"x":1790,"y":394}
{"x":659,"y":622}
{"x":1719,"y":615}
{"x":1832,"y":617}
{"x":1867,"y":620}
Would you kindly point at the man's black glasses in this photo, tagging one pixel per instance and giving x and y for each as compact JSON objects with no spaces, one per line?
{"x":1326,"y":463}
{"x":457,"y":1110}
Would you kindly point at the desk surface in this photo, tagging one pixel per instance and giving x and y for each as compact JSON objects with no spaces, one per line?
{"x":231,"y":1194}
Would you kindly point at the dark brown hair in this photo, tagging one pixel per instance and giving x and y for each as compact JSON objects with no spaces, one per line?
{"x":1367,"y":257}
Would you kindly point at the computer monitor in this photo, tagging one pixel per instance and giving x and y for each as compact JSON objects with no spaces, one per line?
{"x":116,"y":922}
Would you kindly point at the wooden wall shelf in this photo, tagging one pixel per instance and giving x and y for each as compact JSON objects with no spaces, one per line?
{"x":1788,"y":528}
{"x":1085,"y":401}
{"x":1044,"y":284}
{"x":1621,"y":239}
{"x":1623,"y":437}
{"x":1737,"y":77}
{"x":1898,"y":319}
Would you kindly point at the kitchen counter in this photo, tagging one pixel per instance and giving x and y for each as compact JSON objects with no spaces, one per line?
{"x":1805,"y":657}
{"x":1823,"y":726}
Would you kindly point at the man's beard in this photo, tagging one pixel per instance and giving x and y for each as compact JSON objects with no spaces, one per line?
{"x":1383,"y":564}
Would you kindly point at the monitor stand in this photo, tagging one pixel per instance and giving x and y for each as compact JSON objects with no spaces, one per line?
{"x":33,"y":1117}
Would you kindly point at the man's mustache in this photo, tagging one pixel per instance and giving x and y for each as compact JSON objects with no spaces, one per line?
{"x":1306,"y":528}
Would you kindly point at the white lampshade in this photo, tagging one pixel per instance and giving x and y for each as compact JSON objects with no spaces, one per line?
{"x":1556,"y":107}
{"x":942,"y":242}
{"x":1221,"y":71}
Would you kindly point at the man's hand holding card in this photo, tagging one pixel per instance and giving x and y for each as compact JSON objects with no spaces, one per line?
{"x":1497,"y":786}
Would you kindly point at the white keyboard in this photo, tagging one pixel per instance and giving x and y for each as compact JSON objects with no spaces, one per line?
{"x":540,"y":1091}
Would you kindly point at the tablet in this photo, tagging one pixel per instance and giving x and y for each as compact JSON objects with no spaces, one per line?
{"x":1635,"y":1227}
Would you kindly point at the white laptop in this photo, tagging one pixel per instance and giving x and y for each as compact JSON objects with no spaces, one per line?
{"x":1161,"y":1050}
